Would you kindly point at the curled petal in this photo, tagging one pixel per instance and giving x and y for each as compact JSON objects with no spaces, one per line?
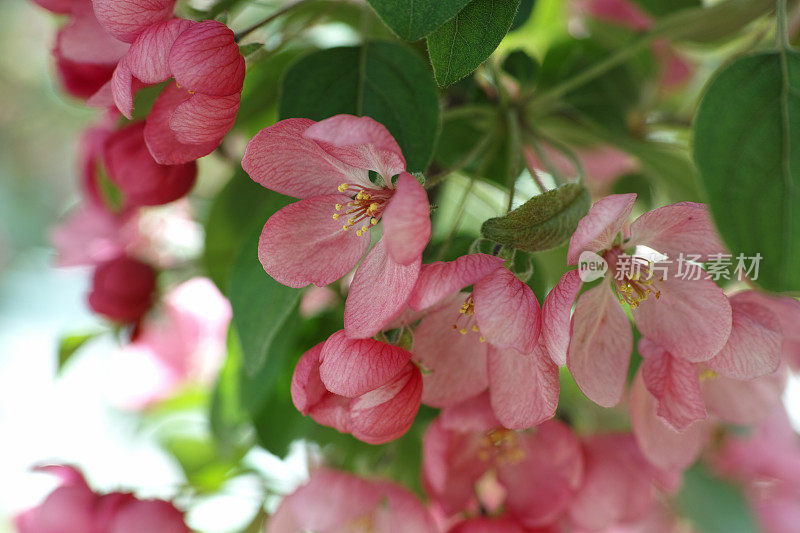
{"x":754,"y":346}
{"x":204,"y":119}
{"x":123,"y":88}
{"x":441,"y":279}
{"x":596,"y":231}
{"x":310,"y":396}
{"x":507,"y":311}
{"x":600,"y":347}
{"x":303,"y":244}
{"x":352,"y":367}
{"x":455,"y":364}
{"x":387,"y":412}
{"x":360,"y":142}
{"x":691,"y":318}
{"x":205,"y":58}
{"x":84,"y":41}
{"x":556,"y":316}
{"x":378,"y":293}
{"x":524,"y":387}
{"x":125,"y":19}
{"x":406,"y":221}
{"x":148,"y":57}
{"x":685,"y":227}
{"x":674,"y":383}
{"x":282,"y":159}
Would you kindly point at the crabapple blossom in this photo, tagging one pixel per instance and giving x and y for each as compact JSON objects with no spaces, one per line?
{"x":322,"y":237}
{"x":122,"y":289}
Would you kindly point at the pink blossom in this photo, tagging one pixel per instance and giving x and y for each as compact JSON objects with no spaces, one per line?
{"x":335,"y":501}
{"x":364,"y":387}
{"x":539,"y":470}
{"x":487,"y":338}
{"x":190,"y":117}
{"x":141,"y":179}
{"x":90,"y":235}
{"x":122,"y":289}
{"x":126,"y":19}
{"x":691,"y":318}
{"x":322,"y":237}
{"x":74,"y":508}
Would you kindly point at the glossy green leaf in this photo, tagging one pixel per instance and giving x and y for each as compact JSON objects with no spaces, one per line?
{"x":747,"y":148}
{"x":543,"y":222}
{"x":261,"y":306}
{"x":461,"y":45}
{"x":414,"y":19}
{"x":523,"y":14}
{"x":69,"y":346}
{"x":382,"y":80}
{"x":714,"y":505}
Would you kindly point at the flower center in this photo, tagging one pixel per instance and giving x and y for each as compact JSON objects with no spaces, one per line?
{"x":366,"y":207}
{"x":634,"y":277}
{"x":465,"y":321}
{"x":707,"y":374}
{"x":502,"y":445}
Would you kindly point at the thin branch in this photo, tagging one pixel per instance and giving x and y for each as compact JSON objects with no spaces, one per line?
{"x":285,"y":9}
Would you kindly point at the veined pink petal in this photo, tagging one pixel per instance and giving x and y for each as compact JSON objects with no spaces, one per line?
{"x":303,"y":244}
{"x":679,"y":228}
{"x":754,"y":346}
{"x":443,"y":278}
{"x":524,"y":387}
{"x":84,"y":41}
{"x":148,"y":57}
{"x":600,"y":347}
{"x":206,"y":59}
{"x":507,"y":311}
{"x":691,"y":318}
{"x":455,"y":364}
{"x":352,"y":367}
{"x":125,"y":19}
{"x":307,"y":387}
{"x":542,"y":484}
{"x":123,"y":88}
{"x":473,"y":414}
{"x":787,"y":309}
{"x":406,"y":221}
{"x":387,"y":412}
{"x":596,"y":231}
{"x":674,"y":383}
{"x":161,"y":140}
{"x":743,"y":402}
{"x":204,"y":119}
{"x":143,"y":181}
{"x":556,"y":316}
{"x":378,"y":293}
{"x":662,"y":445}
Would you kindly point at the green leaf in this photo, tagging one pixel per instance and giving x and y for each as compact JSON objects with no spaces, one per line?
{"x":382,"y":80}
{"x":521,"y":66}
{"x":523,"y":14}
{"x":660,"y":8}
{"x":261,"y":305}
{"x":463,"y":43}
{"x":714,"y":505}
{"x":747,"y":148}
{"x":543,"y":222}
{"x":414,"y":19}
{"x":716,"y":22}
{"x":70,"y":344}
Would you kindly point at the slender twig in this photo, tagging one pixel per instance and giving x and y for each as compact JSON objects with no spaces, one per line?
{"x":285,"y":9}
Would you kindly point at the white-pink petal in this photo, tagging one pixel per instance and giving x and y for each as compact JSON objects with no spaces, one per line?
{"x":597,"y":230}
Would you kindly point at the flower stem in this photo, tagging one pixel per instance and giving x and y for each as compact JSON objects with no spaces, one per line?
{"x":781,"y":32}
{"x":285,"y":9}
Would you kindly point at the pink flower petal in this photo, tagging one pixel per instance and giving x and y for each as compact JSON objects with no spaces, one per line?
{"x":307,"y":387}
{"x":597,"y":230}
{"x":600,"y":348}
{"x":387,"y":412}
{"x":143,"y":181}
{"x":622,"y":12}
{"x":302,"y":244}
{"x":406,"y":221}
{"x":204,"y":119}
{"x":84,"y":41}
{"x":282,"y":159}
{"x":122,"y":289}
{"x":455,"y":364}
{"x":754,"y":346}
{"x":441,"y":279}
{"x":787,"y":309}
{"x":378,"y":293}
{"x":541,"y":486}
{"x":674,"y":383}
{"x":82,"y":80}
{"x":662,"y":445}
{"x":125,"y":19}
{"x":679,"y":228}
{"x":206,"y":59}
{"x":524,"y":387}
{"x":63,"y":7}
{"x":360,"y":142}
{"x":556,"y":316}
{"x":123,"y":88}
{"x":148,"y":58}
{"x":691,"y":318}
{"x":507,"y":311}
{"x":148,"y":515}
{"x":401,"y":506}
{"x":743,"y":402}
{"x":487,"y":525}
{"x":352,"y":367}
{"x":161,"y":140}
{"x":473,"y":414}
